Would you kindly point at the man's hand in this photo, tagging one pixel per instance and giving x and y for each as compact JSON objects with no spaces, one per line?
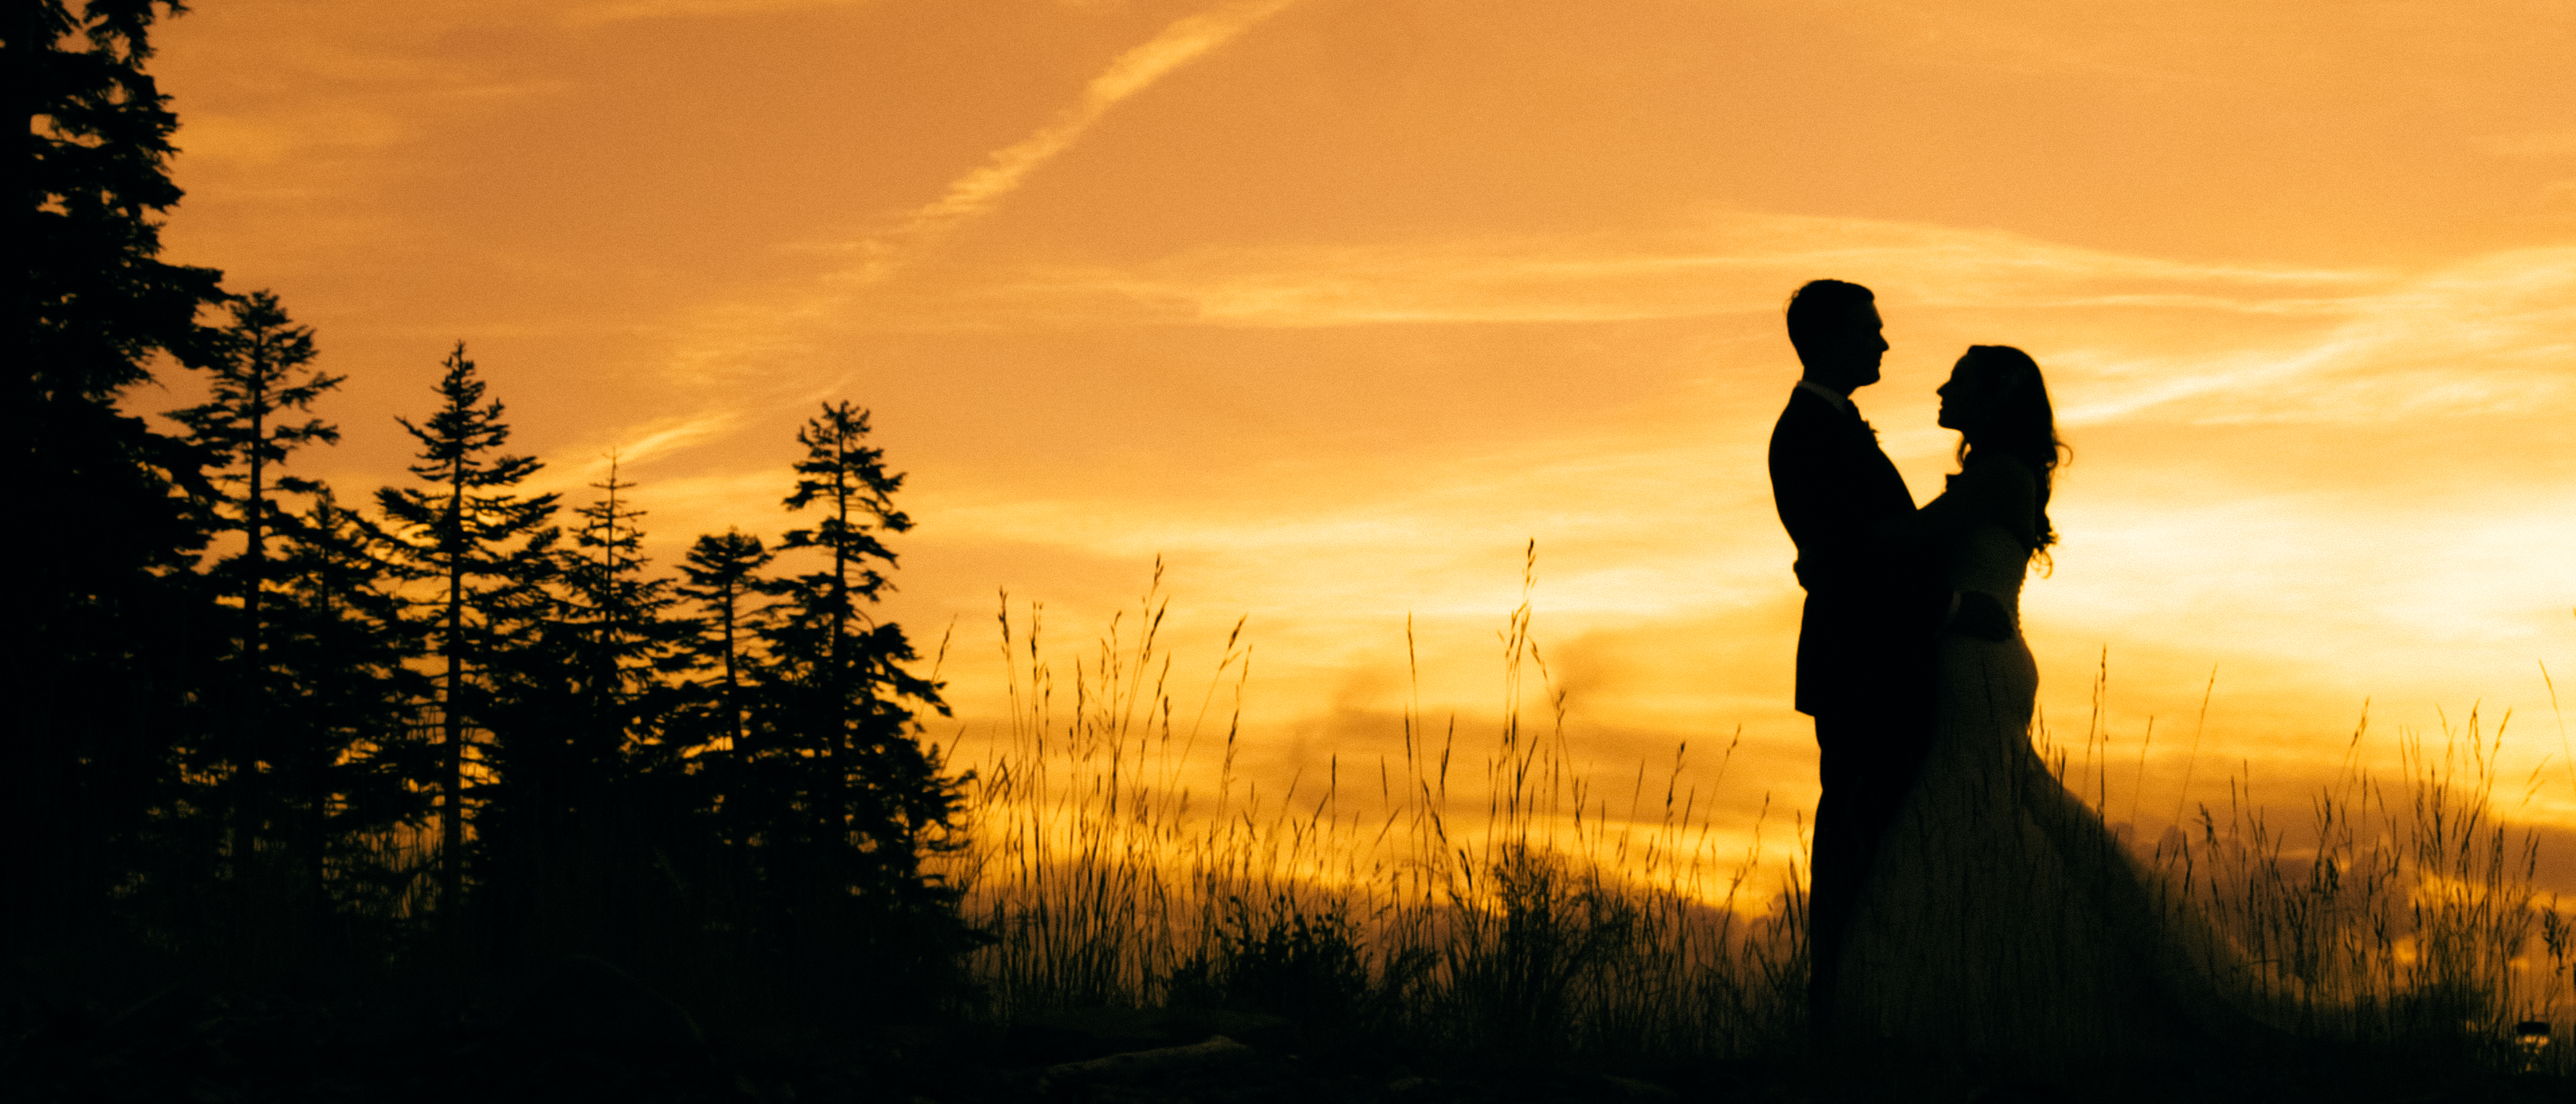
{"x":1980,"y":616}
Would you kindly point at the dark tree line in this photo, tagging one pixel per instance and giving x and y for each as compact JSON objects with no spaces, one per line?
{"x":455,"y":724}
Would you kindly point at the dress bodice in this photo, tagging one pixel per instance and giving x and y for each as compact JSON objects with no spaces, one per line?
{"x":1989,"y":558}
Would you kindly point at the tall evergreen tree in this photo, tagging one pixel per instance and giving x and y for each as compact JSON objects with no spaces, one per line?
{"x":576,"y":711}
{"x":346,"y":693}
{"x":621,"y":635}
{"x":841,"y":700}
{"x":490,"y":551}
{"x":263,"y":374}
{"x":723,"y":574}
{"x":105,"y":627}
{"x":578,"y":696}
{"x":263,"y":370}
{"x":832,"y":799}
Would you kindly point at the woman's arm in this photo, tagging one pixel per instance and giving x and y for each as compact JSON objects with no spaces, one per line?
{"x":1994,"y":488}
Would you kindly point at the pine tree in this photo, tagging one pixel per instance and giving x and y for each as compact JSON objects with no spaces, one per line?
{"x":723,"y":574}
{"x":264,"y":371}
{"x":576,"y":717}
{"x":341,"y":672}
{"x":871,"y":797}
{"x":834,"y":792}
{"x":574,"y":701}
{"x":489,"y":550}
{"x":621,"y":636}
{"x":97,"y":302}
{"x":107,"y":625}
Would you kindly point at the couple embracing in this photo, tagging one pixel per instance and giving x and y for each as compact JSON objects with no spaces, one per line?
{"x":1961,"y":901}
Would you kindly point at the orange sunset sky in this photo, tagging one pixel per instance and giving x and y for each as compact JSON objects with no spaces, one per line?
{"x":1336,"y":304}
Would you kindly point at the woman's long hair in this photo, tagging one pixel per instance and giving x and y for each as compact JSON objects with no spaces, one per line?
{"x":2021,"y":424}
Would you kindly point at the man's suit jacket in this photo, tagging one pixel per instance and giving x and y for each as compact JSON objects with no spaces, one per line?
{"x":1864,"y":642}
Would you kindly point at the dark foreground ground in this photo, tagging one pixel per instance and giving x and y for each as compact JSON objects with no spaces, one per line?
{"x":596,"y":1036}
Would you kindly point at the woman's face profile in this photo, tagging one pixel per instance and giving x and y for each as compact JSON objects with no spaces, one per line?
{"x":1963,"y":399}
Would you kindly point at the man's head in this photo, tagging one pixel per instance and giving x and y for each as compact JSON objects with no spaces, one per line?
{"x":1836,"y":329}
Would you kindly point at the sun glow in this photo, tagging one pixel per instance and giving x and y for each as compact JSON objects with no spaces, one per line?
{"x":1337,"y":307}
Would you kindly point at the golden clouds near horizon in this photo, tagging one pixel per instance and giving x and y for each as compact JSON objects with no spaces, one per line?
{"x":1335,"y":305}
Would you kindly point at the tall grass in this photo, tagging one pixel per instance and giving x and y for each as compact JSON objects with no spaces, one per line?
{"x":2409,"y":915}
{"x":1508,"y":911}
{"x":1496,"y":906}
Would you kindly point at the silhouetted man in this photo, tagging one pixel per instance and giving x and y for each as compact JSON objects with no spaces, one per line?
{"x":1865,"y":656}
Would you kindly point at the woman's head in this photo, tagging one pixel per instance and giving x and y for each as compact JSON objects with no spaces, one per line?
{"x":1998,"y":402}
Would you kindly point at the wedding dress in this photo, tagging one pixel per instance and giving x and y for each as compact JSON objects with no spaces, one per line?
{"x":2002,"y":920}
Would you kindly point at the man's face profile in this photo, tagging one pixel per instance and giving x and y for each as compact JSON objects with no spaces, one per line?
{"x":1853,"y":350}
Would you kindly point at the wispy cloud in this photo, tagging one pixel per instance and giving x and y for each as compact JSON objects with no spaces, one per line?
{"x":260,"y":141}
{"x":653,"y":440}
{"x":1184,"y":41}
{"x":761,"y":332}
{"x":1737,"y":262}
{"x":625,"y":11}
{"x":2486,"y":336}
{"x":569,"y":470}
{"x":2266,"y":341}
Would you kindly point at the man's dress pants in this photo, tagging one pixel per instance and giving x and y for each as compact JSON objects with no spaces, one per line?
{"x":1867,"y":761}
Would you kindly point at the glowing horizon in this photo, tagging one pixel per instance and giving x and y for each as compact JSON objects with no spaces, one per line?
{"x":1336,"y":306}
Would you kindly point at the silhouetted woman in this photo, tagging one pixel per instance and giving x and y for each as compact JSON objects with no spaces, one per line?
{"x":2001,"y":919}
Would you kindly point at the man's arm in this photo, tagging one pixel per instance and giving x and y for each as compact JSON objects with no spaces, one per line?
{"x":1821,"y":485}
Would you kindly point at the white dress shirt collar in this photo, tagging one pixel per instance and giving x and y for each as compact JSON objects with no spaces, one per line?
{"x":1841,"y":402}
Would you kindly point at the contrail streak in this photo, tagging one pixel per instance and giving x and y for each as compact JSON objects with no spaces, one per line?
{"x":1185,"y":41}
